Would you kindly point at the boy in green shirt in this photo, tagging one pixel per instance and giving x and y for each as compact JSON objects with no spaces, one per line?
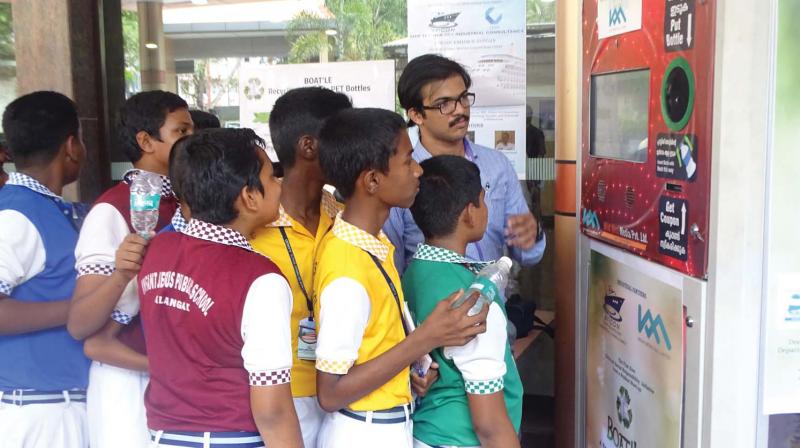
{"x":478,"y":398}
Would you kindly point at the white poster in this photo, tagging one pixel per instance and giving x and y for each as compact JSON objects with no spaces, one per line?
{"x":367,"y":83}
{"x":488,"y":39}
{"x":635,"y":346}
{"x":782,"y":347}
{"x":618,"y":16}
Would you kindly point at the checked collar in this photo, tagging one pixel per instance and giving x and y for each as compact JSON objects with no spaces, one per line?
{"x":442,"y":255}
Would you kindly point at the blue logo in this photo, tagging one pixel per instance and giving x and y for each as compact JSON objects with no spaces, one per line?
{"x":652,"y":327}
{"x":616,"y":16}
{"x":490,"y":19}
{"x":590,"y":220}
{"x":613,"y":306}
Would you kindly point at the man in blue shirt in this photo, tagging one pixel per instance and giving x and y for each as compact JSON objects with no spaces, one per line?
{"x":43,"y":372}
{"x":434,"y":91}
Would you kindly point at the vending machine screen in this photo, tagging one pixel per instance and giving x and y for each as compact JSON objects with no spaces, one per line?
{"x":619,"y":115}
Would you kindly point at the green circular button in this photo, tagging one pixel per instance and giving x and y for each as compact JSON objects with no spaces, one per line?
{"x":677,"y":94}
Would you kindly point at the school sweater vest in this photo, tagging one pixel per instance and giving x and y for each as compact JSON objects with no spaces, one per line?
{"x":46,"y":360}
{"x":119,"y":196}
{"x":192,"y":294}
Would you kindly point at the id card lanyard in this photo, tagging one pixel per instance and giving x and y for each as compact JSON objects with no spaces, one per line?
{"x":302,"y":285}
{"x":394,"y":292}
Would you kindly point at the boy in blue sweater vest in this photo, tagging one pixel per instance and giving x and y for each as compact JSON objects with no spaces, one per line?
{"x":43,"y":372}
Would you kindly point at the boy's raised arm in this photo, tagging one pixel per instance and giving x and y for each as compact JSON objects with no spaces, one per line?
{"x":97,"y":294}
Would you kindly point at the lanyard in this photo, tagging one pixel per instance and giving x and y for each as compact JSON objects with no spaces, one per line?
{"x":394,"y":291}
{"x":297,"y":273}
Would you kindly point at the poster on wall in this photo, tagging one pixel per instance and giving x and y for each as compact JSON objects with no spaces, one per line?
{"x":635,"y":352}
{"x":488,"y":39}
{"x":781,"y":348}
{"x":367,"y":83}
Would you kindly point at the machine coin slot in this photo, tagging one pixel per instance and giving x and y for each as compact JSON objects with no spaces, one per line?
{"x":676,"y":188}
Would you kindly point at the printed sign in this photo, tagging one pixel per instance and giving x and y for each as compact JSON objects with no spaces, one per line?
{"x":368,"y":84}
{"x":673,"y":232}
{"x":488,"y":39}
{"x":676,"y":156}
{"x":679,"y":26}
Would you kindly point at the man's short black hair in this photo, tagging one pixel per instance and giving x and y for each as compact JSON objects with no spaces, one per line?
{"x":300,"y":112}
{"x":212,"y":166}
{"x":447,"y":185}
{"x":422,"y":70}
{"x":145,"y":111}
{"x":204,"y":120}
{"x":356,"y":140}
{"x":37,"y":124}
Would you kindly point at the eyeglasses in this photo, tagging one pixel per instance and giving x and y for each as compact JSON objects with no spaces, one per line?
{"x":448,"y":106}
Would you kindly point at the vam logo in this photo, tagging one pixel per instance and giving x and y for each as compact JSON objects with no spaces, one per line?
{"x":651,"y":327}
{"x":616,"y":16}
{"x":590,"y":219}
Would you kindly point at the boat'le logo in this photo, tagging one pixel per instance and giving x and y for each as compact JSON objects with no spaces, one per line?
{"x":651,"y":327}
{"x":616,"y":16}
{"x":444,"y":20}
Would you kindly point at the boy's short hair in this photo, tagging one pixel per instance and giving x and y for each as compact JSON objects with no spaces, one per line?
{"x":173,"y":154}
{"x":422,"y":70}
{"x":447,"y":185}
{"x":300,"y":112}
{"x":356,"y":140}
{"x":212,"y":166}
{"x":37,"y":124}
{"x":145,"y":111}
{"x":204,"y":120}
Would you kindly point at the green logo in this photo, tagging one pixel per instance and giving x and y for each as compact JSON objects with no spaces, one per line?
{"x":624,"y":411}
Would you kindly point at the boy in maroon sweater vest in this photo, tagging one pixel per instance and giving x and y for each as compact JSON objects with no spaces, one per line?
{"x":107,"y":257}
{"x":216,"y":313}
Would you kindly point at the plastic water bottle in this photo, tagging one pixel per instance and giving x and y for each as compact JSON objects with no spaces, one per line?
{"x":145,"y":197}
{"x":488,"y":283}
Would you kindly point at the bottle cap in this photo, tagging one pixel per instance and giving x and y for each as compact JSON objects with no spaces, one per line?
{"x":505,"y":263}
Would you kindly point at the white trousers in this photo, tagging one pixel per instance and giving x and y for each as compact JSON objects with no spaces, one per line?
{"x":310,"y":416}
{"x":44,"y":425}
{"x":115,"y":405}
{"x":341,"y":431}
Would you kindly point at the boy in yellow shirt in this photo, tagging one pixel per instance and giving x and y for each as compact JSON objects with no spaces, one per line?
{"x":306,"y":214}
{"x":365,"y":346}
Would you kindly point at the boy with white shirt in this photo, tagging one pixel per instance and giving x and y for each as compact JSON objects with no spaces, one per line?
{"x":108,"y":256}
{"x":43,"y":373}
{"x":216,"y":313}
